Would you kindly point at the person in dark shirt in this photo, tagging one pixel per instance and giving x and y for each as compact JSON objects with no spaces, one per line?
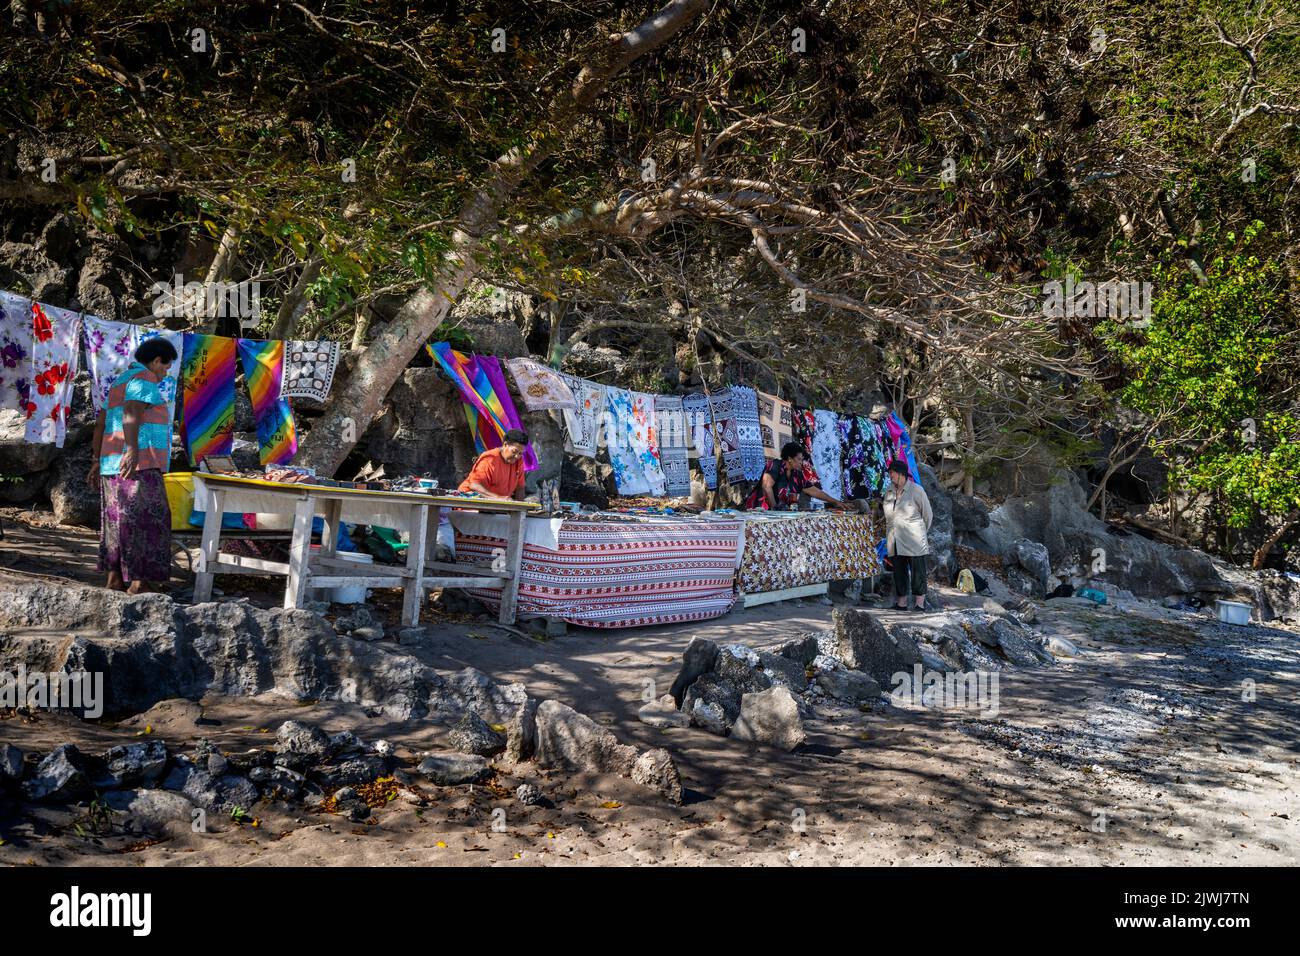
{"x":785,"y":480}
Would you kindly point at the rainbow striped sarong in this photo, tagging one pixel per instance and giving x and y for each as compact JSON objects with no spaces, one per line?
{"x":207,"y":396}
{"x":263,"y":365}
{"x":488,"y":407}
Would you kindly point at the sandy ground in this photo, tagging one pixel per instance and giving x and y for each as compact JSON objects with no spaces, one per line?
{"x":1153,"y":747}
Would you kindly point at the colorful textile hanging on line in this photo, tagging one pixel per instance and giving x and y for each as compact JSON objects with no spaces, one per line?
{"x":582,"y":423}
{"x":744,"y":405}
{"x":208,"y":396}
{"x":170,"y":385}
{"x":15,"y":350}
{"x":277,"y":436}
{"x":488,"y":407}
{"x":540,"y":387}
{"x":699,"y":424}
{"x":805,"y":427}
{"x":309,"y":369}
{"x":827,"y":451}
{"x":775,"y":424}
{"x":110,"y":348}
{"x":902,"y":439}
{"x":727,"y":433}
{"x":55,"y":333}
{"x":671,"y":437}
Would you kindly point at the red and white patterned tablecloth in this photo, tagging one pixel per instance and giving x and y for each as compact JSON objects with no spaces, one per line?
{"x":613,"y":573}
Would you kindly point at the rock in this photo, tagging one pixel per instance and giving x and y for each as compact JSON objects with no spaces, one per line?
{"x":699,"y":658}
{"x":663,"y":714}
{"x":152,"y":813}
{"x":1018,"y":648}
{"x":528,"y":794}
{"x":347,"y":801}
{"x":345,"y":743}
{"x":969,"y":655}
{"x":133,"y":764}
{"x":371,"y":632}
{"x":448,"y":768}
{"x":969,"y":513}
{"x":11,"y":762}
{"x":155,"y":649}
{"x":568,"y":739}
{"x":655,"y":769}
{"x":411,"y":636}
{"x":940,"y":537}
{"x":848,"y":685}
{"x":300,"y":745}
{"x":278,"y":782}
{"x":801,"y":650}
{"x":1061,"y":647}
{"x":1036,"y":562}
{"x":521,"y":732}
{"x":472,"y":735}
{"x":358,"y":616}
{"x":770,"y":717}
{"x":214,"y":794}
{"x":72,"y":499}
{"x":862,"y":643}
{"x":712,"y":703}
{"x":932,"y":659}
{"x":58,"y":775}
{"x":750,"y":670}
{"x":217,"y":764}
{"x":351,"y":772}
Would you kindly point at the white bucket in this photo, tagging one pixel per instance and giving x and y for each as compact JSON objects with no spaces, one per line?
{"x":1233,"y":612}
{"x":353,"y":594}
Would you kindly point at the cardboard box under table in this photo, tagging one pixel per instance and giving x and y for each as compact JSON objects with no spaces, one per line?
{"x":414,"y":513}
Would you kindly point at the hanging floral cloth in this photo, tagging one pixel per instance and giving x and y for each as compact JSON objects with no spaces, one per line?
{"x":15,"y":350}
{"x":110,"y":348}
{"x":55,"y":333}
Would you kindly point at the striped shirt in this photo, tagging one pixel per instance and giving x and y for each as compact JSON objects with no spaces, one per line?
{"x":136,"y":384}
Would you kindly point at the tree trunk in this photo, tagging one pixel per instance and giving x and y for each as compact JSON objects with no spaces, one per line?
{"x":354,"y":406}
{"x":1267,"y":547}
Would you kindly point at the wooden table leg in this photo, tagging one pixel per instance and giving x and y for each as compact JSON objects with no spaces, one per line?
{"x":299,"y":552}
{"x":329,"y":535}
{"x":413,"y":590}
{"x":514,"y":559}
{"x":209,"y":546}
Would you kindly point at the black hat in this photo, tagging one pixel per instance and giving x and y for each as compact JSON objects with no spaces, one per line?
{"x":516,"y":436}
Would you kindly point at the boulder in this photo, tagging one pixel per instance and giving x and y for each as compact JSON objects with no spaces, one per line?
{"x":848,"y":685}
{"x":862,"y":643}
{"x":74,"y":501}
{"x":11,"y":763}
{"x":528,"y":794}
{"x":655,"y":769}
{"x":1017,"y":646}
{"x":300,"y":745}
{"x":59,"y":775}
{"x":969,"y":513}
{"x":801,"y":650}
{"x":278,"y":782}
{"x":1036,"y":563}
{"x":351,"y":772}
{"x":712,"y":703}
{"x":570,"y":740}
{"x":770,"y":717}
{"x":521,"y":732}
{"x":449,"y":768}
{"x":699,"y":658}
{"x":663,"y":714}
{"x":750,"y":670}
{"x":152,"y":813}
{"x":473,"y":735}
{"x":133,"y":764}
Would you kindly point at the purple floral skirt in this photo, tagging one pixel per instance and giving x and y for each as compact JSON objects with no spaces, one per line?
{"x":135,"y":527}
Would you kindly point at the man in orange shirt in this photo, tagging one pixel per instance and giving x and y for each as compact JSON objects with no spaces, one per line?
{"x":499,"y":472}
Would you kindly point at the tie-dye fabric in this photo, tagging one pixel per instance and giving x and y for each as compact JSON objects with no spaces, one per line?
{"x":744,"y":404}
{"x":488,"y":407}
{"x":903,"y":443}
{"x":207,"y":396}
{"x":582,"y":423}
{"x":263,"y":365}
{"x":629,"y":436}
{"x":15,"y":350}
{"x":55,"y":333}
{"x":309,"y":367}
{"x":110,"y":350}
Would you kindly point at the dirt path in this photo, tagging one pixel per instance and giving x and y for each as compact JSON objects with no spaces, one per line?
{"x":1141,"y":751}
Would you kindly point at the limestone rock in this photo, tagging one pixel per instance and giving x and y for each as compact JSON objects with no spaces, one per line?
{"x":448,"y":768}
{"x":473,"y":735}
{"x":699,"y":658}
{"x":770,"y":717}
{"x":862,"y":643}
{"x":655,"y":769}
{"x":59,"y":775}
{"x":568,"y":739}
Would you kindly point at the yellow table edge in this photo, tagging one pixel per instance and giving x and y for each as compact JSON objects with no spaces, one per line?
{"x":408,"y":496}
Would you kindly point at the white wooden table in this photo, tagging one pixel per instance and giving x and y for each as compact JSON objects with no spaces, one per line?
{"x":415,"y":513}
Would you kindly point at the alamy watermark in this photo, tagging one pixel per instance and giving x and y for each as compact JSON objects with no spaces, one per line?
{"x":936,"y":689}
{"x":239,"y":300}
{"x":81,"y":691}
{"x":1129,"y":301}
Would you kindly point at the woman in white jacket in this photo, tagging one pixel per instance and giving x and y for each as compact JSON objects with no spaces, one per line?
{"x":907,"y":521}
